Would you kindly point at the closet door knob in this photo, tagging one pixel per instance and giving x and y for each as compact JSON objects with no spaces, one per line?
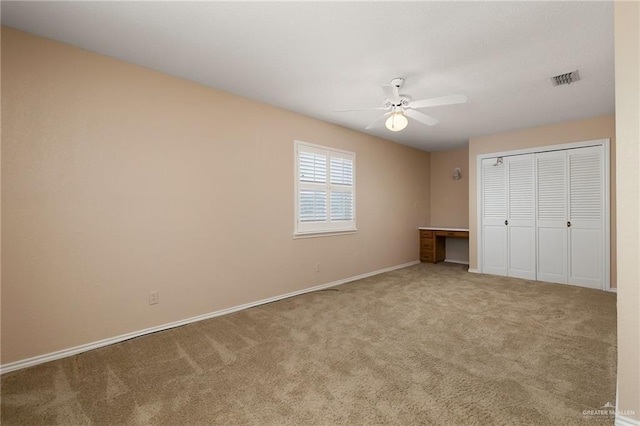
{"x":506,"y":222}
{"x":569,"y":224}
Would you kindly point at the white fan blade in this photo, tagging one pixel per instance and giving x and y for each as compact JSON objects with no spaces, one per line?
{"x":378,"y":121}
{"x":445,"y":100}
{"x":423,"y":118}
{"x":361,"y":109}
{"x":392,"y":93}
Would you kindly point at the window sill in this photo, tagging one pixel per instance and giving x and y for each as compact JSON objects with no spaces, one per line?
{"x":301,"y":235}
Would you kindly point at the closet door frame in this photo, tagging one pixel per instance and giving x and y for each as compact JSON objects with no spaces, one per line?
{"x":605,"y":143}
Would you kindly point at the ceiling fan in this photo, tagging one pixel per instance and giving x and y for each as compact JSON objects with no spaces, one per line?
{"x":399,"y":107}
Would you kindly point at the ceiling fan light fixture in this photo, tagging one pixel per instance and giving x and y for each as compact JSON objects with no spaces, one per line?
{"x":400,"y":107}
{"x":396,"y":122}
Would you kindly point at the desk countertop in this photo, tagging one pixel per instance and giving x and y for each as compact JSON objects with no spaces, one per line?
{"x":432,"y":228}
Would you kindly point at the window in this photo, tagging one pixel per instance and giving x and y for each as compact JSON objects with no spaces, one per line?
{"x":325,"y":189}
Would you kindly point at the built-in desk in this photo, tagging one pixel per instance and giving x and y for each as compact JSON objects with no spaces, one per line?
{"x":433,"y":242}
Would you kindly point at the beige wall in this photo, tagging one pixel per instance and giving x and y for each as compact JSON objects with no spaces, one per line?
{"x":0,"y":202}
{"x":118,"y":180}
{"x":602,"y":127}
{"x":627,"y":53}
{"x":450,"y":198}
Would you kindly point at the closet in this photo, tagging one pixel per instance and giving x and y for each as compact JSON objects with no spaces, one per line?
{"x":543,"y":216}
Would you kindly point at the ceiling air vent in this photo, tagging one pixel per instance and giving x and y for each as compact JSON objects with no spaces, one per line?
{"x":567,"y":78}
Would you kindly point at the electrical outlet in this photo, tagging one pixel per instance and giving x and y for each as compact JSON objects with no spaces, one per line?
{"x":154,"y":297}
{"x":317,"y":267}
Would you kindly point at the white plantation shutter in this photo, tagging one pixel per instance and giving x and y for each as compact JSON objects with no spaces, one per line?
{"x":313,"y":205}
{"x":341,"y":171}
{"x":341,"y":206}
{"x":325,"y":189}
{"x":313,"y":167}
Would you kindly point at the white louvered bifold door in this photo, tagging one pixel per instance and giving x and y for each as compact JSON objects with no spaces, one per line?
{"x":521,"y":202}
{"x":551,"y":212}
{"x":586,"y":216}
{"x":494,"y":216}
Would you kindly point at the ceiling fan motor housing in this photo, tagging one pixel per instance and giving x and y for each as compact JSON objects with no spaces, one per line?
{"x":404,"y":102}
{"x":397,"y":82}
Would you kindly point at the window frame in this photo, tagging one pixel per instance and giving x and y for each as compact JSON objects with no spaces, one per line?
{"x":328,"y":227}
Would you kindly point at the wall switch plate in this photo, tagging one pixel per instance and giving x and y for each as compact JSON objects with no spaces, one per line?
{"x":154,"y":297}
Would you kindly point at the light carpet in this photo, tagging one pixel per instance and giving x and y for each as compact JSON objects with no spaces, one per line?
{"x":428,"y":344}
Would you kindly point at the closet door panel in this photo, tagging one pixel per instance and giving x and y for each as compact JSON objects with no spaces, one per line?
{"x":586,"y":212}
{"x":494,"y":215}
{"x":551,"y":217}
{"x":552,"y":265}
{"x":586,"y":258}
{"x":521,"y":202}
{"x":495,"y":250}
{"x":522,"y":256}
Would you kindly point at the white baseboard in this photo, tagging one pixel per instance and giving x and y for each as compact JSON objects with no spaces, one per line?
{"x":626,"y":421}
{"x":473,"y":271}
{"x":29,"y":362}
{"x":612,"y":289}
{"x":460,"y":262}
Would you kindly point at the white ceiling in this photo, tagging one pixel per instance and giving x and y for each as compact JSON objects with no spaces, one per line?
{"x":318,"y":57}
